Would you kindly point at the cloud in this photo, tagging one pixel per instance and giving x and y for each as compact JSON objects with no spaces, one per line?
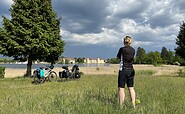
{"x":105,"y":37}
{"x":83,"y":16}
{"x":104,"y":23}
{"x":163,"y":13}
{"x":179,"y":5}
{"x":4,"y":8}
{"x":127,"y":9}
{"x":155,"y":23}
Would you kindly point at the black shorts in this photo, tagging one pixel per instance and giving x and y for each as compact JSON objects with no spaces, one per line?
{"x":126,"y":77}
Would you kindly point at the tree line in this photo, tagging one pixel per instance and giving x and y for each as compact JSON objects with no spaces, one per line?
{"x":154,"y":57}
{"x":163,"y":57}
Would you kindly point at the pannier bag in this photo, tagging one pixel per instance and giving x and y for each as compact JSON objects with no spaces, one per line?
{"x":39,"y":72}
{"x":65,"y":73}
{"x":76,"y":69}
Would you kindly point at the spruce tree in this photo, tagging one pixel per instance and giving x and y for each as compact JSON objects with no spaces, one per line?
{"x":141,"y":55}
{"x":164,"y":54}
{"x":180,"y":41}
{"x":32,"y":33}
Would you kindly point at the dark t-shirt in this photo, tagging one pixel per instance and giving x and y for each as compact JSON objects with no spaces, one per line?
{"x":128,"y":53}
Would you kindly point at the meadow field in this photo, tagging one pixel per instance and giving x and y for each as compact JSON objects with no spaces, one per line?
{"x":112,"y":69}
{"x":95,"y":94}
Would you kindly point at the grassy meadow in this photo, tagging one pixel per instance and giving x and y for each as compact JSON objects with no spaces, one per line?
{"x":93,"y":94}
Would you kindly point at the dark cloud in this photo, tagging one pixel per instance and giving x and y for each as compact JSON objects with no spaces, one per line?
{"x":160,"y":21}
{"x":164,"y":19}
{"x":179,"y":4}
{"x":81,"y":16}
{"x":165,"y":13}
{"x":132,"y":11}
{"x":126,"y":10}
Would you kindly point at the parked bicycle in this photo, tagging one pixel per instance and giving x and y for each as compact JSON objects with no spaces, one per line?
{"x":43,"y":74}
{"x":66,"y":73}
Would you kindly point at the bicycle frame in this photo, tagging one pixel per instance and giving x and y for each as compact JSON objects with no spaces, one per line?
{"x":49,"y":75}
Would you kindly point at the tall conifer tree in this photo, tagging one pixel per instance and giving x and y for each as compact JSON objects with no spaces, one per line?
{"x":180,"y":41}
{"x":141,"y":55}
{"x":164,"y":54}
{"x":32,"y":33}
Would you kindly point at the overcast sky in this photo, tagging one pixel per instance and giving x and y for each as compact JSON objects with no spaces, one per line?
{"x":95,"y":28}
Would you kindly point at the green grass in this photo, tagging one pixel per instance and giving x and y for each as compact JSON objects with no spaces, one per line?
{"x":92,"y":94}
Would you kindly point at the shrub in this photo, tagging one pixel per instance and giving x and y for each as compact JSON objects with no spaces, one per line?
{"x":182,"y":63}
{"x":2,"y":72}
{"x":155,"y":64}
{"x":97,"y":68}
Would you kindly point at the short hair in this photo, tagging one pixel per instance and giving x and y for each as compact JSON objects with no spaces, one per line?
{"x":127,"y":40}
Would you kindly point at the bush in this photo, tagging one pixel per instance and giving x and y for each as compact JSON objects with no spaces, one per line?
{"x":182,"y":63}
{"x":155,"y":64}
{"x":2,"y":72}
{"x":97,"y":68}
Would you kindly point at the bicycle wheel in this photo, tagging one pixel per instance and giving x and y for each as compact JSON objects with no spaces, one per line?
{"x":52,"y":76}
{"x":38,"y":80}
{"x":72,"y":75}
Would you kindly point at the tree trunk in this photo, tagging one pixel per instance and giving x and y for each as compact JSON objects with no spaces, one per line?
{"x":29,"y":66}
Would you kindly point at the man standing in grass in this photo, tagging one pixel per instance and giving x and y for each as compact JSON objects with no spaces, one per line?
{"x":126,"y":72}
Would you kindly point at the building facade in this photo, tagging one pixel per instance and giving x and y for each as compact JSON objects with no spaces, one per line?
{"x":86,"y":60}
{"x":94,"y":61}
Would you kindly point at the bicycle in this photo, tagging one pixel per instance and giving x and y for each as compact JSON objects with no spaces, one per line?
{"x":73,"y":74}
{"x":43,"y":74}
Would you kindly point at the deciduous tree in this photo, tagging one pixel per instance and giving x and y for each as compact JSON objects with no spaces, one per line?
{"x":154,"y":58}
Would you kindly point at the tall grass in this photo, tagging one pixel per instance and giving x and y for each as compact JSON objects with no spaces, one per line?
{"x":145,"y":72}
{"x":181,"y":72}
{"x":91,"y":95}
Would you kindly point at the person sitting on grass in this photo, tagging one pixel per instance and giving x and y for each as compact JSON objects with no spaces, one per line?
{"x":126,"y":71}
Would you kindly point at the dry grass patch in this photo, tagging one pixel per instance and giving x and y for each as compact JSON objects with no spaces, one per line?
{"x":12,"y":72}
{"x":106,"y":70}
{"x":159,"y":70}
